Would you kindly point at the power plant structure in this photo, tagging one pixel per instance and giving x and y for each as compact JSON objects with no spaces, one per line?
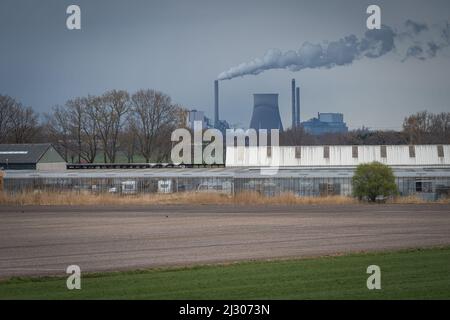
{"x":221,"y":125}
{"x":266,"y":113}
{"x":325,"y":123}
{"x":216,"y":103}
{"x":295,"y":105}
{"x":297,"y":113}
{"x":294,"y":118}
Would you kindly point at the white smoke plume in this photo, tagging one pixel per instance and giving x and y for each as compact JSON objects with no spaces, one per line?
{"x":415,"y":40}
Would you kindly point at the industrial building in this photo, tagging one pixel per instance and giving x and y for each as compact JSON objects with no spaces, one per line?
{"x":339,"y":156}
{"x":325,"y":123}
{"x":199,"y":116}
{"x":305,"y":171}
{"x":41,"y":157}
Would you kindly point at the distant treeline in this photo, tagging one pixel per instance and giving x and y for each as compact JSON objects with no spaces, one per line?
{"x":121,"y":127}
{"x":420,"y":128}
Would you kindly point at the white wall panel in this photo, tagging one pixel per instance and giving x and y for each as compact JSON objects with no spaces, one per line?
{"x":339,"y":156}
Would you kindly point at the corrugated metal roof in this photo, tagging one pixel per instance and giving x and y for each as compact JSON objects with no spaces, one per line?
{"x":247,"y":172}
{"x":22,"y":153}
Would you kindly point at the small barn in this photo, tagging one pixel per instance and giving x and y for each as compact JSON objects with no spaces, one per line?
{"x":40,"y":156}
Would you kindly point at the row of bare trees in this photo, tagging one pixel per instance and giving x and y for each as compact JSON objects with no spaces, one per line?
{"x":425,"y":128}
{"x":355,"y":137}
{"x":420,"y":128}
{"x":115,"y":123}
{"x":18,"y":124}
{"x":118,"y":126}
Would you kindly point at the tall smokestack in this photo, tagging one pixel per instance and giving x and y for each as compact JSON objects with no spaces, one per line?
{"x":297,"y":112}
{"x":293,"y":103}
{"x":216,"y":103}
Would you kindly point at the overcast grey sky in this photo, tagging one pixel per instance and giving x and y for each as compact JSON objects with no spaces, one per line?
{"x":180,"y":47}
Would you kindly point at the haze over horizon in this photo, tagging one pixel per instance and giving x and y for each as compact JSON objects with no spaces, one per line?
{"x":180,"y":47}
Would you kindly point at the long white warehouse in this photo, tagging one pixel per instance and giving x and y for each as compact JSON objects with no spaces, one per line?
{"x":337,"y":156}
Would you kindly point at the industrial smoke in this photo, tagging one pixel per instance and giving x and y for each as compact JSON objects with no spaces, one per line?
{"x":415,"y":40}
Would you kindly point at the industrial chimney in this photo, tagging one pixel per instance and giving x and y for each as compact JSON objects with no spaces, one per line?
{"x":266,"y":113}
{"x":216,"y":103}
{"x":293,"y":104}
{"x":297,"y":111}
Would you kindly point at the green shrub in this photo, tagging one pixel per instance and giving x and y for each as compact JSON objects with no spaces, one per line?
{"x":372,"y":180}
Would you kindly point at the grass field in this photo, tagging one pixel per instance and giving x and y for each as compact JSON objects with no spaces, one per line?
{"x":245,"y":198}
{"x":411,"y":274}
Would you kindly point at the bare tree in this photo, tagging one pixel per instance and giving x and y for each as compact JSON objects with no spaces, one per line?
{"x":416,"y":127}
{"x":73,"y":130}
{"x":24,"y":124}
{"x":424,"y":127}
{"x":83,"y":127}
{"x":295,"y":137}
{"x":109,"y":114}
{"x":58,"y":131}
{"x":155,"y":118}
{"x":6,"y":111}
{"x":129,"y":140}
{"x":74,"y":117}
{"x":89,"y":129}
{"x":440,"y":127}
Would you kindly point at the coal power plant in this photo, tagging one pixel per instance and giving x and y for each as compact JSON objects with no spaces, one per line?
{"x":266,"y":113}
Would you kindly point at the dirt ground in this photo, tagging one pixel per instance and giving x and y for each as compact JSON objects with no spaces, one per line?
{"x":45,"y":240}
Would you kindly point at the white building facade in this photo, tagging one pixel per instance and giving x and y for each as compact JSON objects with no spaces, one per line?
{"x":337,"y":156}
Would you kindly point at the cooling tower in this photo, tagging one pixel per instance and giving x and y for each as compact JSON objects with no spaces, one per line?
{"x":266,"y":114}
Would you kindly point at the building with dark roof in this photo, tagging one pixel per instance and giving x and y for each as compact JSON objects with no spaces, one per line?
{"x":41,"y":156}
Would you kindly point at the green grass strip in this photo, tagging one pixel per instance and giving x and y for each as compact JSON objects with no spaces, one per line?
{"x":408,"y":274}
